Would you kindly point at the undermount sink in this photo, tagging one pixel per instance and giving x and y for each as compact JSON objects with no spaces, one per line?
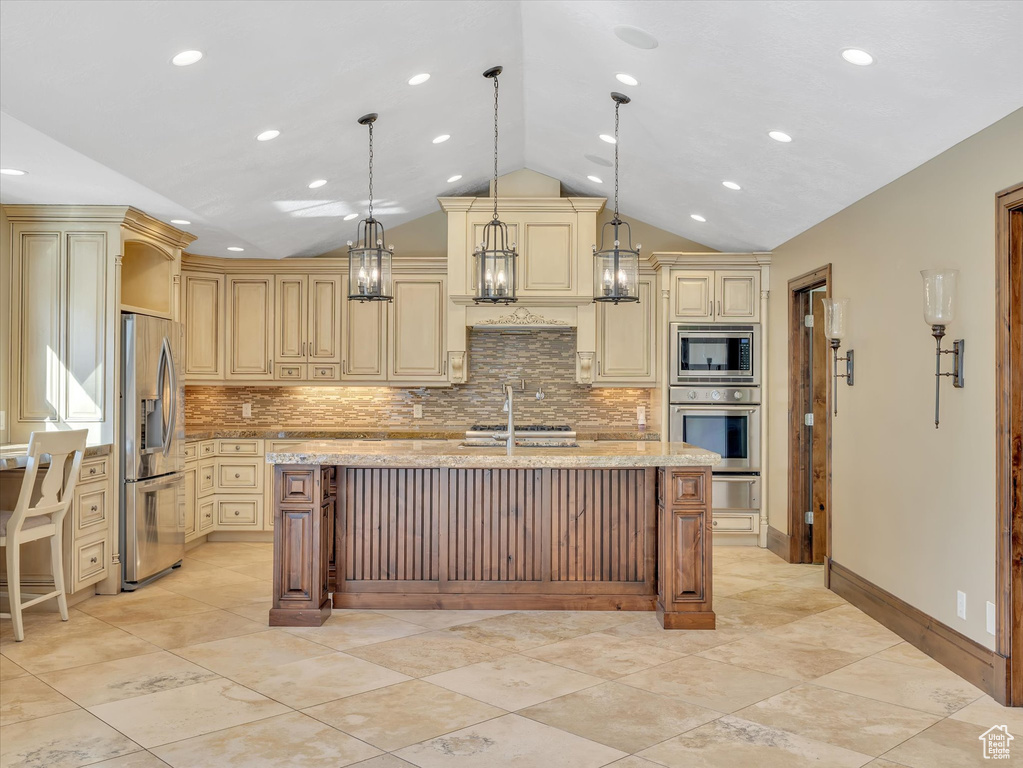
{"x":518,"y":444}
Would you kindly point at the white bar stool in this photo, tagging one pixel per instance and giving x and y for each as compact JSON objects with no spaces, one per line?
{"x":38,"y":517}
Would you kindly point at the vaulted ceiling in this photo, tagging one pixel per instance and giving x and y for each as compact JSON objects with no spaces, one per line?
{"x":94,"y":111}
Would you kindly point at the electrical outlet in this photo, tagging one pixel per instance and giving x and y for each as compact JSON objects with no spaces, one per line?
{"x":417,"y":411}
{"x":641,"y":415}
{"x":961,"y":605}
{"x":246,"y":410}
{"x":990,"y":618}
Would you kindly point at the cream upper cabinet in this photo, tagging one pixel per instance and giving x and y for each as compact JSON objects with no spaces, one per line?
{"x":324,"y":329}
{"x":365,"y":341}
{"x":204,"y":326}
{"x":738,"y":295}
{"x":548,"y":255}
{"x":290,"y":319}
{"x":417,"y":349}
{"x":250,"y":327}
{"x":706,"y":296}
{"x":627,"y":340}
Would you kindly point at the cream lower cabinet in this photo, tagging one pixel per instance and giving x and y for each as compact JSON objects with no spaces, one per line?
{"x":418,"y":331}
{"x":627,"y":340}
{"x":250,"y":327}
{"x":190,"y":521}
{"x":224,"y":486}
{"x":709,"y":296}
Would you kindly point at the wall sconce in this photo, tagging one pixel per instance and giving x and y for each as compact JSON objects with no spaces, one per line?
{"x":836,"y":313}
{"x":939,"y":310}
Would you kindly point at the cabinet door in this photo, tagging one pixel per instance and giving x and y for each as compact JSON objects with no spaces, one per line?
{"x":626,"y":340}
{"x":365,"y":352}
{"x":324,"y":329}
{"x":290,"y":319}
{"x":692,"y":296}
{"x":548,"y":256}
{"x":37,"y":264}
{"x":417,"y":330}
{"x":85,"y":356}
{"x":204,"y":326}
{"x":250,"y":327}
{"x":191,"y":508}
{"x":738,"y":295}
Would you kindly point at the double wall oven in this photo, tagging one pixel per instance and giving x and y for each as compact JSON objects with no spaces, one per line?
{"x":715,"y":403}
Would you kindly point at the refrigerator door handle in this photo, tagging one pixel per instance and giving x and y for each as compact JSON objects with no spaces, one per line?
{"x":167,"y":370}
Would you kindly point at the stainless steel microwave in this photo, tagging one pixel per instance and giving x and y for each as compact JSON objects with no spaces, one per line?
{"x":714,"y":354}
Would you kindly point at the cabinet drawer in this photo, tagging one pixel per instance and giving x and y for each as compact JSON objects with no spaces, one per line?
{"x":94,"y":469}
{"x":208,"y":448}
{"x":295,"y":372}
{"x":736,"y":522}
{"x":206,"y":482}
{"x":233,"y":512}
{"x":92,"y":505}
{"x":191,"y":451}
{"x":240,"y":447}
{"x":687,"y":488}
{"x":89,"y":562}
{"x":235,"y":475}
{"x":325,"y":372}
{"x":204,"y":517}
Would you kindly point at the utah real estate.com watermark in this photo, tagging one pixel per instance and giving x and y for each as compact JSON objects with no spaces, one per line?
{"x":995,"y":742}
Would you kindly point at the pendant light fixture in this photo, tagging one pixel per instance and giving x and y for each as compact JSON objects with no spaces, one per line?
{"x":369,"y":262}
{"x":616,"y":268}
{"x":494,"y":260}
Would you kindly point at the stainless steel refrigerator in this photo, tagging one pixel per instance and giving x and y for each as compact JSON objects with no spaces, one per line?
{"x":152,"y":438}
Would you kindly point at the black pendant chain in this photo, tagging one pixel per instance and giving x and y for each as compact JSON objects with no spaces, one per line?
{"x":371,"y":170}
{"x":495,"y":147}
{"x":617,"y":105}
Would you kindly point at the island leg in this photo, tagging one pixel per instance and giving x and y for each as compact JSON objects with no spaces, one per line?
{"x":303,"y":511}
{"x":684,"y":548}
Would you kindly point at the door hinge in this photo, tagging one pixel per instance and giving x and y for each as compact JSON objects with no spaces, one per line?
{"x":808,"y":321}
{"x":808,"y":518}
{"x":808,"y":419}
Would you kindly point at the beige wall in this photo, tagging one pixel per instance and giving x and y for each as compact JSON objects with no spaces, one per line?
{"x":653,"y":239}
{"x":913,"y":508}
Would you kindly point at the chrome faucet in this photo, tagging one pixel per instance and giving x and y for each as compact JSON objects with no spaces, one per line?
{"x":509,"y":405}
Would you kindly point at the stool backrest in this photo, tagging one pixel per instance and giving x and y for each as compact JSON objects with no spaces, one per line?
{"x":58,"y":485}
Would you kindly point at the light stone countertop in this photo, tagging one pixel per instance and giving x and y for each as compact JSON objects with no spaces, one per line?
{"x":15,"y":455}
{"x":451,"y":453}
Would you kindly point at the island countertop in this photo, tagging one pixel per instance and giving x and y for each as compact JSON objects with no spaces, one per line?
{"x":452,"y":454}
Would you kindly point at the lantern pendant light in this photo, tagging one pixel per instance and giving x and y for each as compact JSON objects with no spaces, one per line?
{"x":369,"y":262}
{"x":616,"y":268}
{"x":494,"y":259}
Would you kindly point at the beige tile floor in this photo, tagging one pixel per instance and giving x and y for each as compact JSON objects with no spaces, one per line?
{"x":186,"y":673}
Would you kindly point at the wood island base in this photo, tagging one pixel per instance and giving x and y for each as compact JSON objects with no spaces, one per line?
{"x":629,"y":539}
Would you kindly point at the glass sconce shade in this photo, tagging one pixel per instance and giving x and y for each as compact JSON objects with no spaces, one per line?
{"x":836,"y":317}
{"x":495,"y":265}
{"x":940,"y":287}
{"x":369,"y":264}
{"x":616,"y":269}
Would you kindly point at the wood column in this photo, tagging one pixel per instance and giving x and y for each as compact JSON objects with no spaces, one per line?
{"x":684,"y":549}
{"x":304,"y":507}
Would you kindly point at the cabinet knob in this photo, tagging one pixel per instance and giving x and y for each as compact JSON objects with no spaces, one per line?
{"x":237,"y":447}
{"x":92,"y":559}
{"x":92,"y":470}
{"x":714,"y":523}
{"x":209,"y":515}
{"x":236,"y":475}
{"x":236,"y":513}
{"x":93,"y":508}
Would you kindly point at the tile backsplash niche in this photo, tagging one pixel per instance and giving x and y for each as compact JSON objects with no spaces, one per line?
{"x":544,"y":358}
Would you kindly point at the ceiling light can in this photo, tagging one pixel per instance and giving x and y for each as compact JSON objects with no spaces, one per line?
{"x":453,"y":179}
{"x":419,"y":79}
{"x":696,"y":217}
{"x":13,"y":172}
{"x":186,"y":58}
{"x":182,"y":222}
{"x":235,"y":248}
{"x":730,"y":185}
{"x":858,"y":57}
{"x":595,"y":179}
{"x":268,"y":135}
{"x":317,"y":184}
{"x":442,"y":138}
{"x":784,"y":138}
{"x":626,"y":79}
{"x":609,"y":139}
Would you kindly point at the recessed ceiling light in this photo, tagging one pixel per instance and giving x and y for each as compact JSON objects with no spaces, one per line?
{"x":857,"y":57}
{"x":454,"y":178}
{"x":595,"y":179}
{"x":626,"y":79}
{"x":608,"y":139}
{"x":730,"y":185}
{"x":635,"y":36}
{"x":185,"y":58}
{"x":784,"y":138}
{"x":419,"y":79}
{"x":696,"y":217}
{"x":351,"y":216}
{"x":234,"y":248}
{"x":598,"y":160}
{"x":442,"y":138}
{"x":184,"y":222}
{"x":268,"y":135}
{"x":317,"y":184}
{"x":12,"y":172}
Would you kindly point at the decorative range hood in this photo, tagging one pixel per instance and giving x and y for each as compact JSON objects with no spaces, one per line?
{"x":524,"y":318}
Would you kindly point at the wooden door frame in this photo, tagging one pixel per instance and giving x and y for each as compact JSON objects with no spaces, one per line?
{"x":796,"y":525}
{"x":1009,"y":449}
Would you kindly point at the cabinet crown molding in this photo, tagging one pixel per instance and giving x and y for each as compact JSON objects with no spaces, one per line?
{"x":709,"y":259}
{"x":405,"y":265}
{"x":131,"y":218}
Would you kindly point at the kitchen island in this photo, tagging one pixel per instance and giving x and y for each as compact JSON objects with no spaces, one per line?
{"x":409,"y":524}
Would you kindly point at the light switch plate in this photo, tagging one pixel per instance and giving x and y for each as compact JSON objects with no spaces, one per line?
{"x":246,"y":410}
{"x":990,"y":618}
{"x":417,"y":411}
{"x":641,"y":415}
{"x":961,"y":604}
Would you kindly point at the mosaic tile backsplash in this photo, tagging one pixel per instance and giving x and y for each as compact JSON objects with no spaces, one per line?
{"x":544,"y":358}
